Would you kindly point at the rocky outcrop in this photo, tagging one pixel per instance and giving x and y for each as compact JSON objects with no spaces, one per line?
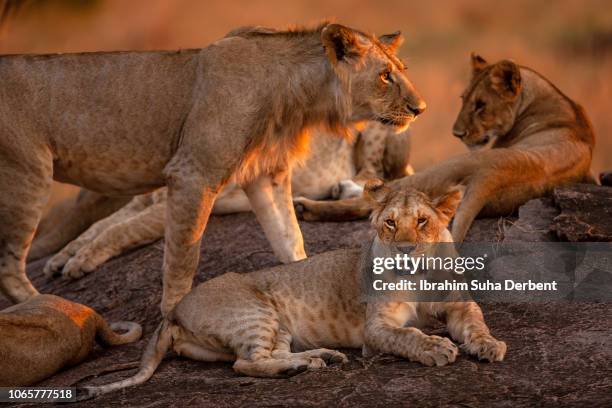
{"x":586,"y":213}
{"x":558,"y":354}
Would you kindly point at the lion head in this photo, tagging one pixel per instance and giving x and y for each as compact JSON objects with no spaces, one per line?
{"x":408,"y":215}
{"x":490,"y":103}
{"x":376,"y":78}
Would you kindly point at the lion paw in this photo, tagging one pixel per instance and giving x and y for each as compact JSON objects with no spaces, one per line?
{"x":316,"y":363}
{"x":486,"y":347}
{"x":438,"y":351}
{"x":329,"y":356}
{"x":54,"y":266}
{"x":299,"y":365}
{"x":74,"y":269}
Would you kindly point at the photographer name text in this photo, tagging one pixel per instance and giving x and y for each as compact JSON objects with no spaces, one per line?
{"x":425,"y":285}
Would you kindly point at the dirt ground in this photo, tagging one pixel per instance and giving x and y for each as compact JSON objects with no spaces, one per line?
{"x":558,"y":354}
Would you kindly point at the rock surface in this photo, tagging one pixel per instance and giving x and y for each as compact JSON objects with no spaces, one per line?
{"x":558,"y":354}
{"x":586,"y":213}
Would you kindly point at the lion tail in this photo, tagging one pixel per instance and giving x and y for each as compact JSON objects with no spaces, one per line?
{"x":107,"y":335}
{"x":151,"y":358}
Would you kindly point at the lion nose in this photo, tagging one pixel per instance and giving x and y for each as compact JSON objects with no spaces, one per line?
{"x":417,"y":109}
{"x":459,"y":133}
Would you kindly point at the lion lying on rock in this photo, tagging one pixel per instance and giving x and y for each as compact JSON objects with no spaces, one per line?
{"x":47,"y":333}
{"x":274,"y":322}
{"x":526,"y":137}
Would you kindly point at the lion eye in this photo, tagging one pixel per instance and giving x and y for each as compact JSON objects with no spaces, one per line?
{"x":421,"y":222}
{"x":386,"y":77}
{"x":390,"y":223}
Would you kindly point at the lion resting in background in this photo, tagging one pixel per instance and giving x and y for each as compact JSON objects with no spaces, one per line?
{"x":46,"y":333}
{"x":127,"y":123}
{"x":526,"y":137}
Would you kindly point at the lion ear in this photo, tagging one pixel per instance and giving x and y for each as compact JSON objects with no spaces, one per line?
{"x":446,"y":205}
{"x":376,"y":191}
{"x":393,"y":41}
{"x":342,"y":44}
{"x":506,"y":79}
{"x":478,"y":64}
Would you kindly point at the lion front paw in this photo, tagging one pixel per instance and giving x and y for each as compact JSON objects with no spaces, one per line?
{"x":436,"y":350}
{"x":486,"y":347}
{"x":76,"y":268}
{"x":54,"y":266}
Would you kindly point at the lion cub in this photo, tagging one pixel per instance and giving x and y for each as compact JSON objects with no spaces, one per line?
{"x":46,"y":333}
{"x":274,"y":322}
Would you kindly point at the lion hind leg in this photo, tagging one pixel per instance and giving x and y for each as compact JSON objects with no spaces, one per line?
{"x":282,"y":350}
{"x":276,"y":367}
{"x":25,"y":184}
{"x":197,"y":352}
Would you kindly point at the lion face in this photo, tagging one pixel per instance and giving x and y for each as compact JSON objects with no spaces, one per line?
{"x":489,"y":103}
{"x":407,"y":215}
{"x":379,"y":86}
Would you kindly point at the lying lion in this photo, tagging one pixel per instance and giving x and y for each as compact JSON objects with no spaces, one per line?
{"x":47,"y":333}
{"x":127,"y":123}
{"x":273,"y":322}
{"x":526,"y":137}
{"x":334,"y":168}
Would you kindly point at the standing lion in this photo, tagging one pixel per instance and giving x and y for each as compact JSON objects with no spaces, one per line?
{"x":126,"y":123}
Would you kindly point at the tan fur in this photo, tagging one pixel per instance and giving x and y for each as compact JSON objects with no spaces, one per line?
{"x":127,"y":123}
{"x":69,"y":218}
{"x":47,"y":333}
{"x":526,"y":138}
{"x":335,"y":167}
{"x":280,"y":321}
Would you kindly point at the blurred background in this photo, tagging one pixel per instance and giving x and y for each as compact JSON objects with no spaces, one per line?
{"x":568,"y":41}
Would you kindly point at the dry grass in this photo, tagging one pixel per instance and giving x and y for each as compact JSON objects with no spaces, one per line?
{"x":568,"y":41}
